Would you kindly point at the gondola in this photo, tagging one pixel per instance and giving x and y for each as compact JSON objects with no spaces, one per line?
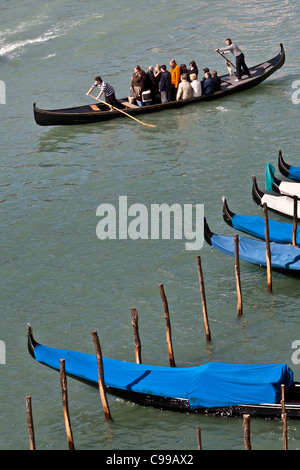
{"x":287,"y":188}
{"x":217,"y":389}
{"x":279,"y":232}
{"x":92,"y":113}
{"x":290,"y":171}
{"x":283,"y":205}
{"x":284,"y":258}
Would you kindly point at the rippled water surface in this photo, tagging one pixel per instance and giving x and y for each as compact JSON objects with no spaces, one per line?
{"x":57,"y":275}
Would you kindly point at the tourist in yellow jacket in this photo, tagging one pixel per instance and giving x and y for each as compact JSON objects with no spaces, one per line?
{"x":175,"y":78}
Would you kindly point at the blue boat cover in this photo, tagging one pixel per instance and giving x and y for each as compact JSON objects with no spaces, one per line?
{"x":211,"y":385}
{"x":254,"y":251}
{"x":294,"y":172}
{"x":279,"y":232}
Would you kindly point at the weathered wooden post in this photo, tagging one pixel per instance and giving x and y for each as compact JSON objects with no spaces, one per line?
{"x":30,"y":423}
{"x":101,"y":381}
{"x":202,"y":290}
{"x":168,"y":324}
{"x":246,"y":422}
{"x":64,"y":389}
{"x":199,"y":437}
{"x":295,"y":220}
{"x":237,"y":276}
{"x":284,"y":418}
{"x":268,"y":249}
{"x":136,"y":336}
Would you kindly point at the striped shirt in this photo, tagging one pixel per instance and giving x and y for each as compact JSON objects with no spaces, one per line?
{"x":105,"y":87}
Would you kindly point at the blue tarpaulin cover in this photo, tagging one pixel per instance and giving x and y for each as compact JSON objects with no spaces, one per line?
{"x":209,"y":385}
{"x":279,"y":232}
{"x":254,"y":251}
{"x":294,"y":172}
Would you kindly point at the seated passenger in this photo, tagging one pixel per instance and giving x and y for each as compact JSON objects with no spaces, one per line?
{"x":185,"y":91}
{"x":196,"y":85}
{"x":205,"y":70}
{"x":208,"y":84}
{"x":217,"y":80}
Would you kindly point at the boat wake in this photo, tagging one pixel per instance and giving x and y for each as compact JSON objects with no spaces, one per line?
{"x":8,"y":49}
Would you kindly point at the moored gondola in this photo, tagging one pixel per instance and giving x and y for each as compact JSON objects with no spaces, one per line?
{"x":92,"y":113}
{"x":284,"y":258}
{"x":279,"y":232}
{"x":283,"y":205}
{"x":217,"y":389}
{"x":290,"y":171}
{"x":287,"y":188}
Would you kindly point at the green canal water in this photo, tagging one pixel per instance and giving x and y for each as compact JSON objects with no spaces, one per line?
{"x":61,"y":278}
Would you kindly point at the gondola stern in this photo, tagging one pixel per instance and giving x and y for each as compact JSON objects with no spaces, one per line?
{"x":207,"y":232}
{"x":282,"y":165}
{"x":227,"y":213}
{"x":31,"y":343}
{"x":282,"y":53}
{"x":256,"y":193}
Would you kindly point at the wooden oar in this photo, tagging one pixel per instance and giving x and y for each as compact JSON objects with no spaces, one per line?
{"x":227,"y":60}
{"x":121,"y":111}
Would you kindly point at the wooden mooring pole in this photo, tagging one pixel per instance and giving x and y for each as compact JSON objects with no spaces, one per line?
{"x":168,"y":324}
{"x":238,"y":276}
{"x":203,"y":297}
{"x":136,"y":336}
{"x":64,"y":389}
{"x":30,"y":423}
{"x":268,"y":249}
{"x":284,"y":418}
{"x":199,"y":441}
{"x":101,"y":382}
{"x":295,"y":220}
{"x":246,"y":423}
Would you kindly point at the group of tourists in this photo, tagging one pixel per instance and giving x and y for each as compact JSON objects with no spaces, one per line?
{"x":159,"y":85}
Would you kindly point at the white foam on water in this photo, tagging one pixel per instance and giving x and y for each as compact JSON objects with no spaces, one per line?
{"x":49,"y":56}
{"x":10,"y":49}
{"x":7,"y":49}
{"x":221,"y":108}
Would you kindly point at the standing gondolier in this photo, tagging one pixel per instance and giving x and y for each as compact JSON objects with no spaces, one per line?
{"x":239,"y":58}
{"x":108,"y":91}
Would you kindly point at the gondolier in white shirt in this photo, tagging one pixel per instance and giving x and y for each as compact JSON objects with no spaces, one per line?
{"x":108,"y":91}
{"x":239,"y":58}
